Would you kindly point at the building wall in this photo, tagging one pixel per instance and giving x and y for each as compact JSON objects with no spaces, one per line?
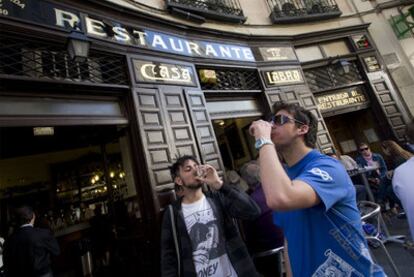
{"x":354,"y":12}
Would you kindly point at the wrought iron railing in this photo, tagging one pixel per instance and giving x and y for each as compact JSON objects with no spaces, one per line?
{"x":225,"y":10}
{"x":41,"y":60}
{"x":332,"y":76}
{"x":291,"y":11}
{"x":231,"y":79}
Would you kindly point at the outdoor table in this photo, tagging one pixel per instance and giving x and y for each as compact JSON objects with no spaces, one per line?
{"x":362,"y":172}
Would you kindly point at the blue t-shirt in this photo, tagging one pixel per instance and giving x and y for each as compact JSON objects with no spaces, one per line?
{"x":327,"y":239}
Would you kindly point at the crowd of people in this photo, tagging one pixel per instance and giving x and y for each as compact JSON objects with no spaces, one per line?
{"x":296,"y":197}
{"x":292,"y":197}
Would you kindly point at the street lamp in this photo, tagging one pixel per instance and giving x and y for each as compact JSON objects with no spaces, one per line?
{"x":78,"y":46}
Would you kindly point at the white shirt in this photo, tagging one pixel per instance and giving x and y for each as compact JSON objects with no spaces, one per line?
{"x":207,"y":240}
{"x":403,"y":185}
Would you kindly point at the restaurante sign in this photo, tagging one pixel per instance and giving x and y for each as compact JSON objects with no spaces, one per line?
{"x":340,"y":99}
{"x":58,"y":16}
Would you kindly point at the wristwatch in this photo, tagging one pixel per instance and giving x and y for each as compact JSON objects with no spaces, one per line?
{"x":262,"y":141}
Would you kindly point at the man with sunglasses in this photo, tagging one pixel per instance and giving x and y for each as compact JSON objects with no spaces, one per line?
{"x":367,"y":158}
{"x":313,"y":198}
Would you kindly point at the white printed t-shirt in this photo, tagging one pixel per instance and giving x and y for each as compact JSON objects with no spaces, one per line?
{"x":207,"y":240}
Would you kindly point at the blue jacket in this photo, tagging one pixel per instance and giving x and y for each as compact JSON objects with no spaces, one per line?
{"x":376,"y":158}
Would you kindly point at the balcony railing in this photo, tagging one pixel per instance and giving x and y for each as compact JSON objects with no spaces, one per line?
{"x":223,"y":10}
{"x":293,"y":11}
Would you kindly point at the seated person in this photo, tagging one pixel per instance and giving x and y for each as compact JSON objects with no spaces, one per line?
{"x":261,"y":234}
{"x":350,"y":164}
{"x":378,"y":177}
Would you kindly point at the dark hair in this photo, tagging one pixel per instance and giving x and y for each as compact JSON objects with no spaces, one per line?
{"x":410,"y":131}
{"x":363,"y":144}
{"x":175,"y":167}
{"x":301,"y":114}
{"x":24,"y":215}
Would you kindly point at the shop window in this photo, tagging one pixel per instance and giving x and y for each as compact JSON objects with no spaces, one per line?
{"x":37,"y":59}
{"x":309,"y":53}
{"x":335,"y":48}
{"x":338,"y":73}
{"x":228,"y":79}
{"x":66,"y":175}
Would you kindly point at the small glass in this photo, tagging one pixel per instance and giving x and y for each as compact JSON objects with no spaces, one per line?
{"x":201,"y":171}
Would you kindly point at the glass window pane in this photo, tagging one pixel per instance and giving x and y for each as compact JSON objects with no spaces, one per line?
{"x":335,"y":48}
{"x":309,"y":53}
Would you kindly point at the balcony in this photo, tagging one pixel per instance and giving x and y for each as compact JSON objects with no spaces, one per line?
{"x":296,"y":11}
{"x":198,"y":10}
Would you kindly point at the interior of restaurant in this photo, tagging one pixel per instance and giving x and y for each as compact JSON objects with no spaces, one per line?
{"x":349,"y":129}
{"x":235,"y":143}
{"x":67,"y":173}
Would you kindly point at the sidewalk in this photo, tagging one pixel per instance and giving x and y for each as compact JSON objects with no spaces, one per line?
{"x":402,"y":258}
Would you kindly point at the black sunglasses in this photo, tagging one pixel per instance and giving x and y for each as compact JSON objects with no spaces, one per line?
{"x":281,"y":119}
{"x":363,"y":149}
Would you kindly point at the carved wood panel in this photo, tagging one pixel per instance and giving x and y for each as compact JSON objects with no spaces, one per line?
{"x":389,"y":103}
{"x":166,"y":131}
{"x":204,"y":131}
{"x":302,"y":96}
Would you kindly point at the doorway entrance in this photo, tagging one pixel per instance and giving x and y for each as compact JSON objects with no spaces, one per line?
{"x":350,"y":129}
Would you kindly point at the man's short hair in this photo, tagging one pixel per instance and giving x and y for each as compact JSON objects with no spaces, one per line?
{"x":410,"y":131}
{"x":24,"y":215}
{"x":175,"y":167}
{"x":301,"y":114}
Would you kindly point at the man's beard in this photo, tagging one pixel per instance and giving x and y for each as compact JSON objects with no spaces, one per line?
{"x":193,"y":186}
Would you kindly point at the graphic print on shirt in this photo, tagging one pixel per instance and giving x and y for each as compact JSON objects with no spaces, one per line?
{"x":209,"y":253}
{"x":321,"y":173}
{"x":334,"y":266}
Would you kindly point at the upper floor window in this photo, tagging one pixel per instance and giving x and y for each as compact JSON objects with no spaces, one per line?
{"x":293,"y":11}
{"x":198,"y":10}
{"x":322,"y":50}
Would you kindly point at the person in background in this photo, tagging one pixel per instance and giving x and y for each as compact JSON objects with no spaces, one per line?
{"x":234,"y":180}
{"x":350,"y":164}
{"x":261,"y":234}
{"x":102,"y":238}
{"x":313,"y":198}
{"x":402,"y":183}
{"x":396,"y":156}
{"x":395,"y":153}
{"x":198,"y":235}
{"x":378,"y":177}
{"x":27,"y":251}
{"x":1,"y":257}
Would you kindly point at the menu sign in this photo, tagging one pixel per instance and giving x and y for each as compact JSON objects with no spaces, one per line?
{"x":166,"y":73}
{"x":282,"y":77}
{"x":341,"y":99}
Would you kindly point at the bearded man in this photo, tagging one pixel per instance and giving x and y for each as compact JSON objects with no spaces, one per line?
{"x":199,"y":237}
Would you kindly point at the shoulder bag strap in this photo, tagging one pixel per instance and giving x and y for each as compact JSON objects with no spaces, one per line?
{"x":174,"y":229}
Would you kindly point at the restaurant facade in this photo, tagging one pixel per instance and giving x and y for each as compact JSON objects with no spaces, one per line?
{"x":99,"y":132}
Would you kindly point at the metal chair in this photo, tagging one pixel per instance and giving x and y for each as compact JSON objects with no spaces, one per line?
{"x":275,"y":251}
{"x":372,"y":211}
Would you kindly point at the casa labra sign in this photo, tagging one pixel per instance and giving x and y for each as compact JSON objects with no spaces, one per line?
{"x":166,"y":73}
{"x":278,"y":77}
{"x":341,"y":99}
{"x":47,"y":13}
